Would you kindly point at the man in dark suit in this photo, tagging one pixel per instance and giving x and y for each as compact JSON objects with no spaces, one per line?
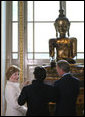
{"x":67,"y":90}
{"x":37,"y":95}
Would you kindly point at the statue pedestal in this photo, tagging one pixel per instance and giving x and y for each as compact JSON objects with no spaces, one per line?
{"x":77,"y":70}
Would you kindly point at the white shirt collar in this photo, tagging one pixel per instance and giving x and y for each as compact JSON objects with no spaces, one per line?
{"x":65,"y":74}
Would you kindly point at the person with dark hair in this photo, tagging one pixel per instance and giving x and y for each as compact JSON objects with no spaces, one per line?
{"x":37,"y":95}
{"x":66,"y":90}
{"x":39,"y":73}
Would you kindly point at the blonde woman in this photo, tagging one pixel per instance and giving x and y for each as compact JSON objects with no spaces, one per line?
{"x":12,"y":91}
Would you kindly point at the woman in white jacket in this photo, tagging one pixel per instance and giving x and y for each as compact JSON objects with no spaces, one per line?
{"x":12,"y":91}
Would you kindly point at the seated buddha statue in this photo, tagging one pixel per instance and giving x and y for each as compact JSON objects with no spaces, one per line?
{"x":66,"y":48}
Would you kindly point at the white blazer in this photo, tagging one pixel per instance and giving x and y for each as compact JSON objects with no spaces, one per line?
{"x":12,"y":92}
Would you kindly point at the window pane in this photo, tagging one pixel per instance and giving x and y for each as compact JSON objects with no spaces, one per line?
{"x":46,"y":10}
{"x":80,"y":56}
{"x":75,"y":10}
{"x":41,"y":56}
{"x":14,"y":10}
{"x":77,"y":30}
{"x":14,"y":37}
{"x":30,"y":55}
{"x":30,"y":37}
{"x":15,"y":56}
{"x":30,"y":11}
{"x":43,"y":32}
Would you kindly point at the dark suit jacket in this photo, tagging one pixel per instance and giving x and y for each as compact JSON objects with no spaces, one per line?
{"x":67,"y":90}
{"x":37,"y":95}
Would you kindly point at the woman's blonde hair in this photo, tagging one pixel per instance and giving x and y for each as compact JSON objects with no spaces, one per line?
{"x":12,"y":69}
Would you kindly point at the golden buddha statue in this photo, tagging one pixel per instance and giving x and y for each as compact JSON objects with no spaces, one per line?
{"x":66,"y":48}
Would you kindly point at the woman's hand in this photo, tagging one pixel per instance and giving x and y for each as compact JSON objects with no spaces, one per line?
{"x":26,"y":83}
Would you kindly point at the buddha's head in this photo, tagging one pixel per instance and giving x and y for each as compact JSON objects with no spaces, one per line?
{"x":62,"y":25}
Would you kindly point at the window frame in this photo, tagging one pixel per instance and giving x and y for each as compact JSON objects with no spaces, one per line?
{"x":26,"y":50}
